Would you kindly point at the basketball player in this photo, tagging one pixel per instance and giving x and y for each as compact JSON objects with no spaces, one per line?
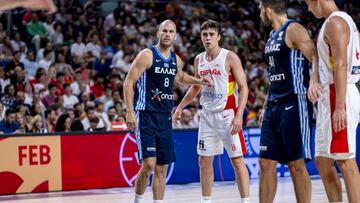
{"x":154,"y":70}
{"x":285,"y":132}
{"x":220,"y":118}
{"x":338,"y":47}
{"x":30,"y":4}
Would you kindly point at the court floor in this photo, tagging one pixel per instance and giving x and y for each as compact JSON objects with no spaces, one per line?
{"x":223,"y":192}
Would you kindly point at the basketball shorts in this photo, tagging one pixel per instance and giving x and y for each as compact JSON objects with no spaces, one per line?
{"x":285,"y":131}
{"x":154,"y":137}
{"x":328,"y":143}
{"x":215,"y":134}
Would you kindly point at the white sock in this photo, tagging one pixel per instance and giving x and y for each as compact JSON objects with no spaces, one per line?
{"x":245,"y":200}
{"x":205,"y":199}
{"x":138,"y":198}
{"x":158,"y":201}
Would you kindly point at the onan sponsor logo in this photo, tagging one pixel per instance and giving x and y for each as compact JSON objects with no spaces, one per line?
{"x":278,"y":77}
{"x":212,"y":95}
{"x":167,"y":96}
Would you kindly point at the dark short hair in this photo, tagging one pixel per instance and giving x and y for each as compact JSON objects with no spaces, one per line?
{"x":278,"y":6}
{"x":211,"y":24}
{"x":10,"y":111}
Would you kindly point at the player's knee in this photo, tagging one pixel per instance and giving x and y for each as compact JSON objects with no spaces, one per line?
{"x":267,"y":166}
{"x":148,"y":167}
{"x":297,"y":167}
{"x":238,"y":162}
{"x":205,"y":162}
{"x":346,"y":166}
{"x":160,"y":171}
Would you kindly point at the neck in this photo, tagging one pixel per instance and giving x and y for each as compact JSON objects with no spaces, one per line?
{"x":279,"y":21}
{"x":165,"y":51}
{"x":212,"y":53}
{"x":329,"y":7}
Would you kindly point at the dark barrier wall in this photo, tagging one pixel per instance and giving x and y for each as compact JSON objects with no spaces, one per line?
{"x":71,"y":162}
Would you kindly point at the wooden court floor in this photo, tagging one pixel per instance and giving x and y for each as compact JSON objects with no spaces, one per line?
{"x":223,"y":192}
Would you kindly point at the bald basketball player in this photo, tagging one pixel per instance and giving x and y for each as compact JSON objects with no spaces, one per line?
{"x":152,"y":73}
{"x":337,"y":100}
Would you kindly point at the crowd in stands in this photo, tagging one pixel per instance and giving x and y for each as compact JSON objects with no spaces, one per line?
{"x":64,"y":72}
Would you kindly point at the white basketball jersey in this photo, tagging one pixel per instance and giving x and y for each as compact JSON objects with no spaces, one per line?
{"x":220,"y":96}
{"x":326,"y":60}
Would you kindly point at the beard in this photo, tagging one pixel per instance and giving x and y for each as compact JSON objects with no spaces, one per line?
{"x":266,"y":20}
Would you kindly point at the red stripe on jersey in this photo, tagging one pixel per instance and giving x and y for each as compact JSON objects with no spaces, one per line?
{"x":339,"y":142}
{"x":231,"y":78}
{"x":241,"y":137}
{"x":230,"y":102}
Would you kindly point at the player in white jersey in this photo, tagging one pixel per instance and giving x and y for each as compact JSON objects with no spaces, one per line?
{"x":220,"y":118}
{"x":333,"y":88}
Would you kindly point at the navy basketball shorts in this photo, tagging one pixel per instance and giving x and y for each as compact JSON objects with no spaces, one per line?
{"x":286,"y":129}
{"x":154,"y":137}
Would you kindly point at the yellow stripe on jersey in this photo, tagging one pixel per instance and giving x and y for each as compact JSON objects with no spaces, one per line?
{"x":231,"y":88}
{"x":332,"y":66}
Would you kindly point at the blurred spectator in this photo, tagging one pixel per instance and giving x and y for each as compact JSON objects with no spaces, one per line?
{"x":16,"y":43}
{"x":8,"y":99}
{"x":36,"y":30}
{"x":46,"y":61}
{"x":78,"y":49}
{"x":63,"y":123}
{"x":69,"y":98}
{"x":9,"y":125}
{"x":56,"y":37}
{"x":186,"y":120}
{"x":49,"y":99}
{"x":50,"y":120}
{"x":30,"y":64}
{"x":76,"y":126}
{"x":37,"y":125}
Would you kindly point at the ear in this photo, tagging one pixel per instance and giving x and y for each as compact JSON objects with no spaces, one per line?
{"x":175,"y":36}
{"x":268,"y":11}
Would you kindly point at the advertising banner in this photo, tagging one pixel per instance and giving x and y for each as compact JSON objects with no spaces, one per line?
{"x":87,"y":161}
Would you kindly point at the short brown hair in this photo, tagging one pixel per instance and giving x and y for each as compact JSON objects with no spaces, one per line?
{"x":211,"y":24}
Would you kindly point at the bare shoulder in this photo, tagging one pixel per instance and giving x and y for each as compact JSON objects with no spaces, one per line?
{"x":232,"y":57}
{"x":296,"y":34}
{"x":146,"y":54}
{"x":295,"y":29}
{"x":336,"y":23}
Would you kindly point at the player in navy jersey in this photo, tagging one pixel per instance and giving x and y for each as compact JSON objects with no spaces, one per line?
{"x":285,"y":132}
{"x":152,"y":75}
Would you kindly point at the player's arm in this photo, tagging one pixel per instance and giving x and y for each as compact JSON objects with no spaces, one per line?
{"x":142,"y":62}
{"x":189,"y":96}
{"x":238,"y":72}
{"x":337,"y":35}
{"x":298,"y":38}
{"x":31,"y":4}
{"x":187,"y":79}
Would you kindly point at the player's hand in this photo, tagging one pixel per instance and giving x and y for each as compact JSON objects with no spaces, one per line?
{"x":176,"y":116}
{"x":261,"y":116}
{"x":236,"y":125}
{"x":207,"y":81}
{"x":315,"y":91}
{"x":130,"y":120}
{"x":339,"y":120}
{"x":40,"y":4}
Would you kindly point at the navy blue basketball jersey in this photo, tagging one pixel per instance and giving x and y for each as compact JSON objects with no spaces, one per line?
{"x":288,"y":68}
{"x":155,"y":88}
